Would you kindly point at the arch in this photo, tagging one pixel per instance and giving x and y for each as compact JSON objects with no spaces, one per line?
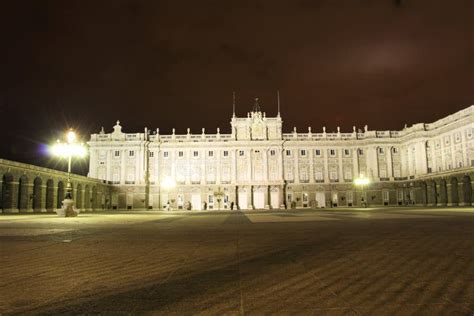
{"x":50,"y":195}
{"x":37,"y":194}
{"x":424,"y":193}
{"x":87,"y":198}
{"x":454,"y":201}
{"x":7,"y":192}
{"x":433,"y":193}
{"x":467,"y":190}
{"x":94,"y":198}
{"x":23,"y":193}
{"x":443,"y":193}
{"x":78,"y":198}
{"x":60,"y":194}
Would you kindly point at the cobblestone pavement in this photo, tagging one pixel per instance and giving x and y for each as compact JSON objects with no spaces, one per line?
{"x":322,"y":262}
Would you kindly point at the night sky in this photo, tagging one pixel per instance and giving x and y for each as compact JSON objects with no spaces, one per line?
{"x":85,"y":64}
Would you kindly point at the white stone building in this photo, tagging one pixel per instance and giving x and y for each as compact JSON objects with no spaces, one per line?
{"x":258,"y":166}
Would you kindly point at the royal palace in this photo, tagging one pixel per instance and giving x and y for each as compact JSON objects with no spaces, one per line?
{"x":258,"y":166}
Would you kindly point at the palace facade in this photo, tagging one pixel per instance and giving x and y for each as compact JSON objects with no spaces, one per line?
{"x":257,"y":166}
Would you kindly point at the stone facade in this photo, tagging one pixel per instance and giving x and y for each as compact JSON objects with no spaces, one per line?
{"x":257,"y":166}
{"x":28,"y":188}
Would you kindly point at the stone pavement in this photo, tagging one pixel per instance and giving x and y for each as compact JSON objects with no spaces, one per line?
{"x":322,"y":262}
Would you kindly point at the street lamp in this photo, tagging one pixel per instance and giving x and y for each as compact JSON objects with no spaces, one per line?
{"x":68,"y":150}
{"x":168,"y":183}
{"x":362,"y":182}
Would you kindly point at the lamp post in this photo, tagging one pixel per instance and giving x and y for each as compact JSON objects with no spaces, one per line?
{"x":68,"y":150}
{"x":362,"y":182}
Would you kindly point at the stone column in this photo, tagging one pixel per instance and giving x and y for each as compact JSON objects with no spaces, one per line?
{"x":297,"y":166}
{"x":389,"y":162}
{"x":340,"y":152}
{"x":325,"y":151}
{"x":265,"y":165}
{"x":123,"y":167}
{"x":266,"y":197}
{"x":355,"y":163}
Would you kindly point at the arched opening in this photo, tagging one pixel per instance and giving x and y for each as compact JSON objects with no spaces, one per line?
{"x":94,"y":198}
{"x":467,"y":190}
{"x":60,"y":196}
{"x":78,"y":198}
{"x":7,"y":192}
{"x":23,"y":193}
{"x":433,"y":193}
{"x":87,"y":198}
{"x":49,"y":195}
{"x":37,"y":194}
{"x":443,"y":193}
{"x":424,"y":193}
{"x":454,"y":192}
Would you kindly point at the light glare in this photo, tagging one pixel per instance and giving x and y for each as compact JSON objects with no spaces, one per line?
{"x":168,"y":183}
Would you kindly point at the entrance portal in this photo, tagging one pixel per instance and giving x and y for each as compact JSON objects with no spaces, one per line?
{"x":321,"y":199}
{"x":258,"y":200}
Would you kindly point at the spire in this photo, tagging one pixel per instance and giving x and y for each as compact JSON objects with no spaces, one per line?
{"x":233,"y":104}
{"x":256,"y":107}
{"x":278,"y":102}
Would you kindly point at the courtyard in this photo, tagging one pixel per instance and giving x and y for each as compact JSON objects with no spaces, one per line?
{"x":328,"y":261}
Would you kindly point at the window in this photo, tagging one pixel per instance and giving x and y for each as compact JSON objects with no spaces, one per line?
{"x":303,"y":152}
{"x":117,"y":153}
{"x":381,"y":151}
{"x":317,"y":152}
{"x":241,"y":153}
{"x":332,"y":152}
{"x":180,"y":154}
{"x":288,"y":152}
{"x":347,"y":152}
{"x":319,"y":175}
{"x":210,"y":153}
{"x":131,"y":153}
{"x":272,"y":152}
{"x":395,"y":150}
{"x":349,"y":196}
{"x":226,"y":153}
{"x":165,"y":154}
{"x":360,"y":152}
{"x":333,"y":175}
{"x":195,"y":153}
{"x":151,"y":154}
{"x":385,"y":196}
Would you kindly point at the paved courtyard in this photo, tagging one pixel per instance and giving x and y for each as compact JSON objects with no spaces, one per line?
{"x":336,"y":262}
